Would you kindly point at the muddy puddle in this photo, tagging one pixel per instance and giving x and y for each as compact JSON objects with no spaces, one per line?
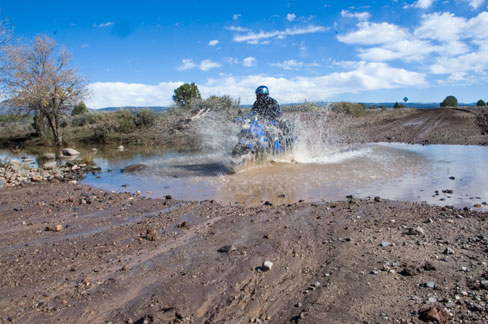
{"x":434,"y":174}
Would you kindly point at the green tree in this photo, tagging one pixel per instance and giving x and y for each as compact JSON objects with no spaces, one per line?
{"x":481,"y":103}
{"x":185,"y":94}
{"x":398,"y":105}
{"x":450,"y":101}
{"x":79,"y":109}
{"x":37,"y":78}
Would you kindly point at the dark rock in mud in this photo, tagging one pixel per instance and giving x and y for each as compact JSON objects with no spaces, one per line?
{"x":435,"y":314}
{"x":151,"y":234}
{"x":226,"y":249}
{"x":134,"y":168}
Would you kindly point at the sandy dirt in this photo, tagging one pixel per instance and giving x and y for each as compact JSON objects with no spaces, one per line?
{"x":73,"y":254}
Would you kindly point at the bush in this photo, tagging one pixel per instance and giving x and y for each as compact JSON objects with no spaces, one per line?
{"x":398,"y":105}
{"x":144,"y":118}
{"x":124,"y":121}
{"x":87,"y":118}
{"x":349,"y":108}
{"x":450,"y":101}
{"x":79,"y":109}
{"x":481,"y":103}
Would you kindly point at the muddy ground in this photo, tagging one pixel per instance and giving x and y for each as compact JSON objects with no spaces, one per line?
{"x":74,"y":254}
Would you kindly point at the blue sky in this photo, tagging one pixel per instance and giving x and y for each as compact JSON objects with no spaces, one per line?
{"x":137,"y":53}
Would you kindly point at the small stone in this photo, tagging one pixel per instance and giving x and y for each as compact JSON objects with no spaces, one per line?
{"x":415,"y":231}
{"x":432,"y":300}
{"x":434,"y":314}
{"x":429,"y":266}
{"x":385,"y":244}
{"x":484,"y":284}
{"x":429,"y":284}
{"x":316,"y":284}
{"x":226,"y":249}
{"x":409,"y":270}
{"x":168,"y":197}
{"x":448,"y":251}
{"x":151,"y":234}
{"x":377,"y":199}
{"x":36,"y":178}
{"x":477,"y":205}
{"x":70,"y":152}
{"x":54,"y":228}
{"x":374,"y":272}
{"x":267,"y":265}
{"x":268,"y":203}
{"x":452,"y":178}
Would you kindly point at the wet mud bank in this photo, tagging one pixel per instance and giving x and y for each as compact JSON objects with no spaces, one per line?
{"x":73,"y":254}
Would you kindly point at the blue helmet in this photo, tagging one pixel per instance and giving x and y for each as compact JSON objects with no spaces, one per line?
{"x":263,"y":90}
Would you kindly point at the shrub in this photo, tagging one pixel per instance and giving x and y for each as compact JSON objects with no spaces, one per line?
{"x":87,"y":118}
{"x":450,"y":101}
{"x":398,"y":105}
{"x":481,"y":103}
{"x":349,"y":108}
{"x":79,"y":109}
{"x":144,"y":118}
{"x":124,"y":121}
{"x":185,"y":94}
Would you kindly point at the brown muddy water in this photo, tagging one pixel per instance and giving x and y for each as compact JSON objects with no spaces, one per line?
{"x":397,"y":171}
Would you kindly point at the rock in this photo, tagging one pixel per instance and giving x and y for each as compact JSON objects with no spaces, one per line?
{"x":134,"y":168}
{"x":429,"y":266}
{"x":268,"y":203}
{"x":385,"y":244}
{"x":484,"y":284}
{"x":184,"y":224}
{"x":70,"y":152}
{"x":415,"y":231}
{"x":434,"y":314}
{"x":94,"y":150}
{"x":151,"y":234}
{"x":120,"y":148}
{"x":36,"y":178}
{"x":168,"y":197}
{"x":477,"y":205}
{"x":267,"y":265}
{"x":49,"y":156}
{"x":49,"y":165}
{"x":448,"y":251}
{"x":377,"y":199}
{"x":409,"y":271}
{"x":452,"y":178}
{"x":226,"y":249}
{"x":54,"y":228}
{"x":429,"y":284}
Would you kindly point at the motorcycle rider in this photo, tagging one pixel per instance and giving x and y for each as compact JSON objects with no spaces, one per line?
{"x":265,"y":106}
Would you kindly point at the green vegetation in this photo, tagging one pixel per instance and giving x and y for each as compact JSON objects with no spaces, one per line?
{"x":481,"y":103}
{"x":79,"y":109}
{"x":185,"y":94}
{"x":304,"y":107}
{"x":349,"y":108}
{"x":450,"y":101}
{"x":398,"y":105}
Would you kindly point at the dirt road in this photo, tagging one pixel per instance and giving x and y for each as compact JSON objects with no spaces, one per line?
{"x":121,"y":258}
{"x":414,"y":126}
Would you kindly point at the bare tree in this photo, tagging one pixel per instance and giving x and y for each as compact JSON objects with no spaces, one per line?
{"x":6,"y":33}
{"x":37,"y":79}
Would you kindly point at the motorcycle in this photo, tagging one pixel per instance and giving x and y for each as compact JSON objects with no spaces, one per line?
{"x":261,"y":140}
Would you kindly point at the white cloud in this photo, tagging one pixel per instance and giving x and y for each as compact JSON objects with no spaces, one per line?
{"x":422,"y":4}
{"x":204,"y":65}
{"x":291,"y":16}
{"x":238,"y":29}
{"x":257,"y":38}
{"x":208,"y":64}
{"x":359,"y":15}
{"x":231,"y":60}
{"x":107,"y":24}
{"x":85,"y":45}
{"x":249,"y":61}
{"x":475,"y":4}
{"x":293,"y":65}
{"x":213,"y":42}
{"x":363,"y":76}
{"x":374,"y":33}
{"x":116,"y":94}
{"x":236,"y":16}
{"x":187,"y":65}
{"x":443,"y":43}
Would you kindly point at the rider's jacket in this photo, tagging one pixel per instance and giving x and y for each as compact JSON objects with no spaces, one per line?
{"x":267,"y":108}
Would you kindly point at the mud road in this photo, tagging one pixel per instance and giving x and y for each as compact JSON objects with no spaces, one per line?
{"x":73,"y":254}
